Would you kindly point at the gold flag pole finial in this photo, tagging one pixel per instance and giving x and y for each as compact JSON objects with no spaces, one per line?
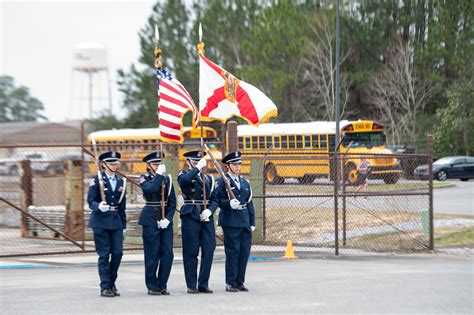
{"x":200,"y":45}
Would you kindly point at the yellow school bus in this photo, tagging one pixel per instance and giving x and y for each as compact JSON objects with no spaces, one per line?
{"x":134,"y":144}
{"x":285,"y":146}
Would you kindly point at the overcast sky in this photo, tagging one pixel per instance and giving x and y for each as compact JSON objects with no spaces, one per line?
{"x":38,"y":40}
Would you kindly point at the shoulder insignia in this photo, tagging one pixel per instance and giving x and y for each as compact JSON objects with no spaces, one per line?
{"x":142,"y":179}
{"x":217,"y":184}
{"x":181,"y":173}
{"x":92,"y":182}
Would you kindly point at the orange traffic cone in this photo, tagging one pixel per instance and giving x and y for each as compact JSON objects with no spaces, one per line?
{"x":289,"y":253}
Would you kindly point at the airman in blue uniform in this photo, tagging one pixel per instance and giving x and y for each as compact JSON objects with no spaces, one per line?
{"x":237,"y":219}
{"x":197,"y":222}
{"x":157,"y":229}
{"x":108,"y":221}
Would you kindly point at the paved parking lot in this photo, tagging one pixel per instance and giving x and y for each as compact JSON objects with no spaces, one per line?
{"x":418,"y":283}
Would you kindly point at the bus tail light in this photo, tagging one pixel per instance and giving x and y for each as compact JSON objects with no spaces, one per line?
{"x":376,"y":126}
{"x":348,"y":128}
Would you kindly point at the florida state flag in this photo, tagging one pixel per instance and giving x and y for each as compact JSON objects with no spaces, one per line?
{"x":222,"y":95}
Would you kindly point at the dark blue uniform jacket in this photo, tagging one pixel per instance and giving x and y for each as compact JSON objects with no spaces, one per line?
{"x":151,"y":187}
{"x":190,"y":182}
{"x":244,"y":217}
{"x":112,"y":220}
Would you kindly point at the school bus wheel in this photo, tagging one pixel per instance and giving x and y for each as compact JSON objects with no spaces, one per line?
{"x":391,"y":178}
{"x":271,"y":175}
{"x":351,"y":175}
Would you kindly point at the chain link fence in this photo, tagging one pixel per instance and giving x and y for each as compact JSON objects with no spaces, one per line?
{"x":43,"y":208}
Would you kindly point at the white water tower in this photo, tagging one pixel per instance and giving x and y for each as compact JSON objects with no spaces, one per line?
{"x":90,"y":61}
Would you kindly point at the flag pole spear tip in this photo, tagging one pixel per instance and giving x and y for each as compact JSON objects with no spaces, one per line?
{"x":200,"y":32}
{"x":157,"y":34}
{"x":200,"y":45}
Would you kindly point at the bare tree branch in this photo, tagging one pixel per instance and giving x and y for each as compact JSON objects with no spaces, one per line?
{"x":398,"y":94}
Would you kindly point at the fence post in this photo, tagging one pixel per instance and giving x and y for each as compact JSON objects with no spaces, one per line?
{"x":344,"y":208}
{"x":172,"y":167}
{"x":430,"y":202}
{"x":257,"y":182}
{"x":336,"y":206}
{"x":74,"y":216}
{"x":26,"y":194}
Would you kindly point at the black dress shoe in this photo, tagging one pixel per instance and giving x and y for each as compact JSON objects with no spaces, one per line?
{"x":231,"y":288}
{"x":193,"y":291}
{"x":242,"y":287}
{"x":154,"y":292}
{"x":205,"y":290}
{"x":164,"y":292}
{"x":107,"y":293}
{"x":115,"y":291}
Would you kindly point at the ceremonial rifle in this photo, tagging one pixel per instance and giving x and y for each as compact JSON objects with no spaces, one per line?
{"x":99,"y":175}
{"x":221,"y":173}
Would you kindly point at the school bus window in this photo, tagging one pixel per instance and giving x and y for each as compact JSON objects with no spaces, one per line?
{"x":145,"y":147}
{"x":315,"y":142}
{"x":255,"y":142}
{"x":241,"y":142}
{"x":299,"y":141}
{"x":307,"y":141}
{"x":291,"y":142}
{"x":262,"y":142}
{"x":284,"y":142}
{"x":268,"y":142}
{"x":276,"y":142}
{"x":153,"y":145}
{"x":248,"y":144}
{"x":323,"y":142}
{"x":332,"y":142}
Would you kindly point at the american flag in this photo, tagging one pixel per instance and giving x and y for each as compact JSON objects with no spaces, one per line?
{"x":174,"y":102}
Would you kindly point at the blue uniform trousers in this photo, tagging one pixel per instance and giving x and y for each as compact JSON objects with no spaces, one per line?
{"x":197,"y":234}
{"x":109,"y":247}
{"x":158,"y":248}
{"x":237,"y":243}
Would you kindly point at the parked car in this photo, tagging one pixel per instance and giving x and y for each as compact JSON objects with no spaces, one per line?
{"x":461,"y":167}
{"x":10,"y":166}
{"x":408,"y":160}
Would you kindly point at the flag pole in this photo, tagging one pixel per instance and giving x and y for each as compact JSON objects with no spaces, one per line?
{"x":158,"y":66}
{"x":203,"y":176}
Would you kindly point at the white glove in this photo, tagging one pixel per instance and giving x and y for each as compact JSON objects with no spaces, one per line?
{"x":205,"y":214}
{"x":124,"y":231}
{"x":252,"y":228}
{"x":201,"y":164}
{"x":234,"y":204}
{"x":161,"y":169}
{"x":103,"y":206}
{"x":163,"y":224}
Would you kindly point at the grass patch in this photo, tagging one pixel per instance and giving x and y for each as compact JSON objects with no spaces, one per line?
{"x":450,"y":237}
